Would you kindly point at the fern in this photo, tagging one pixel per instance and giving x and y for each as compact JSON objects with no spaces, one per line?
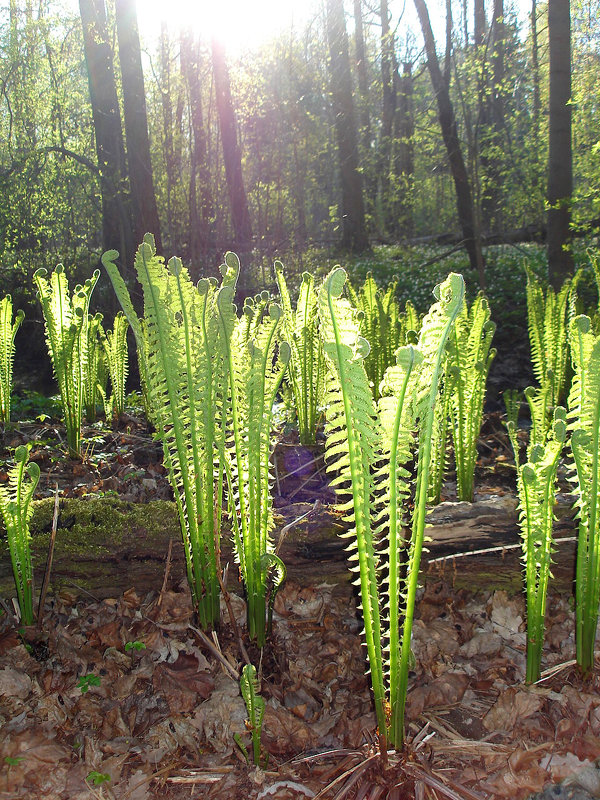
{"x":66,"y":321}
{"x":183,"y":354}
{"x":16,"y":508}
{"x":256,"y":362}
{"x":368,"y":448}
{"x":440,"y":438}
{"x":114,"y":344}
{"x":536,"y":484}
{"x":307,"y":363}
{"x":469,"y":360}
{"x":584,"y":422}
{"x":8,"y":331}
{"x":93,"y":385}
{"x":255,"y":706}
{"x":547,"y":319}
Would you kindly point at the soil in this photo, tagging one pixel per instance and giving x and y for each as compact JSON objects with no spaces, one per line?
{"x":117,"y":694}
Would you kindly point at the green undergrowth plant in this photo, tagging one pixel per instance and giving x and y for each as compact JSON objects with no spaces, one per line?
{"x":306,"y":373}
{"x":256,"y":360}
{"x":184,"y":353}
{"x":16,"y":506}
{"x":584,"y":424}
{"x":255,"y":706}
{"x":536,"y":484}
{"x":114,"y":344}
{"x":8,"y":331}
{"x":369,"y":449}
{"x":380,"y":325}
{"x":66,"y":322}
{"x":547,"y":320}
{"x":469,"y":358}
{"x":95,"y":371}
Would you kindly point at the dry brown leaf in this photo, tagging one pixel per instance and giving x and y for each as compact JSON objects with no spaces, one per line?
{"x":513,"y":705}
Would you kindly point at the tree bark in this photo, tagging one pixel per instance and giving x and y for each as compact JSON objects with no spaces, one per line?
{"x":492,"y":161}
{"x":447,"y":118}
{"x":354,"y":233}
{"x":116,"y":220}
{"x":404,"y":165}
{"x":143,"y":197}
{"x":388,"y":112}
{"x":240,"y":214}
{"x":479,"y":23}
{"x":560,"y":160}
{"x":201,"y":235}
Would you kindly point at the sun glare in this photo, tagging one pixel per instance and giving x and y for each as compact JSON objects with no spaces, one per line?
{"x":241,"y":24}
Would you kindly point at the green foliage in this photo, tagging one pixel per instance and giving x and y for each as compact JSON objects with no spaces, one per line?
{"x":8,"y":331}
{"x":98,"y":778}
{"x":114,"y":344}
{"x":66,"y":322}
{"x":469,"y":360}
{"x":380,"y":325}
{"x":536,"y":483}
{"x":255,"y":705}
{"x":584,"y":423}
{"x":184,"y":347}
{"x":307,"y":362}
{"x":16,"y":508}
{"x":369,"y":447}
{"x":547,"y":318}
{"x":256,"y":362}
{"x":85,"y":682}
{"x":94,"y":374}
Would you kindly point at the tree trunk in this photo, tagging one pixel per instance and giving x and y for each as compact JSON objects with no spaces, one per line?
{"x":404,"y":165}
{"x":201,"y":235}
{"x":388,"y":112}
{"x":447,"y":118}
{"x":143,"y":197}
{"x":240,"y":215}
{"x":560,"y":160}
{"x":354,"y":234}
{"x":366,"y":134}
{"x":491,"y":202}
{"x":479,"y":24}
{"x":167,"y":120}
{"x":116,"y":220}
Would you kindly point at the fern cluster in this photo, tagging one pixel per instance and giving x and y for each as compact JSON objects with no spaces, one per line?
{"x":67,"y":322}
{"x":8,"y":331}
{"x":16,"y":507}
{"x":369,"y":447}
{"x":584,"y":424}
{"x":114,"y":346}
{"x":306,"y":374}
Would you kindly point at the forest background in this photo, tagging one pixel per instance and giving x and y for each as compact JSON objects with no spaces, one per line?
{"x":348,"y":135}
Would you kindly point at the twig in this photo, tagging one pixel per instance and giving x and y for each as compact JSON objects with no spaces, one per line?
{"x":148,"y":779}
{"x":48,"y":569}
{"x":216,"y":652}
{"x":308,"y":480}
{"x":498,"y":549}
{"x":227,"y":599}
{"x":166,"y":576}
{"x":286,"y":528}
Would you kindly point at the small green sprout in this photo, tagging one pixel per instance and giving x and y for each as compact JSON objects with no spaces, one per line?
{"x":134,"y":646}
{"x":85,"y":681}
{"x":255,"y":706}
{"x":98,"y":778}
{"x":13,"y":761}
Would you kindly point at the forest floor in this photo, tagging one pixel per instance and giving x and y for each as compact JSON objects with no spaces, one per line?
{"x":84,"y":715}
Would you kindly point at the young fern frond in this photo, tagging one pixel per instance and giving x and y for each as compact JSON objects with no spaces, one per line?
{"x":256,"y":361}
{"x":16,"y":507}
{"x":547,"y":320}
{"x":307,"y":363}
{"x":255,"y":706}
{"x":584,"y":422}
{"x":469,"y":359}
{"x":368,"y":449}
{"x":8,"y":331}
{"x":184,"y":359}
{"x":93,"y":386}
{"x":536,"y":484}
{"x":114,"y":344}
{"x":440,"y":443}
{"x":66,"y":322}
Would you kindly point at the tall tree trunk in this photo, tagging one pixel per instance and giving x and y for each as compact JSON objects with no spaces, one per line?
{"x":493,"y":130}
{"x":366,"y":134}
{"x":143,"y":197}
{"x":388,"y":112}
{"x":116,"y":220}
{"x":404,"y":154}
{"x":447,"y":118}
{"x":167,"y":120}
{"x":479,"y":24}
{"x":560,"y":160}
{"x":240,"y":214}
{"x":201,"y":235}
{"x":354,"y":233}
